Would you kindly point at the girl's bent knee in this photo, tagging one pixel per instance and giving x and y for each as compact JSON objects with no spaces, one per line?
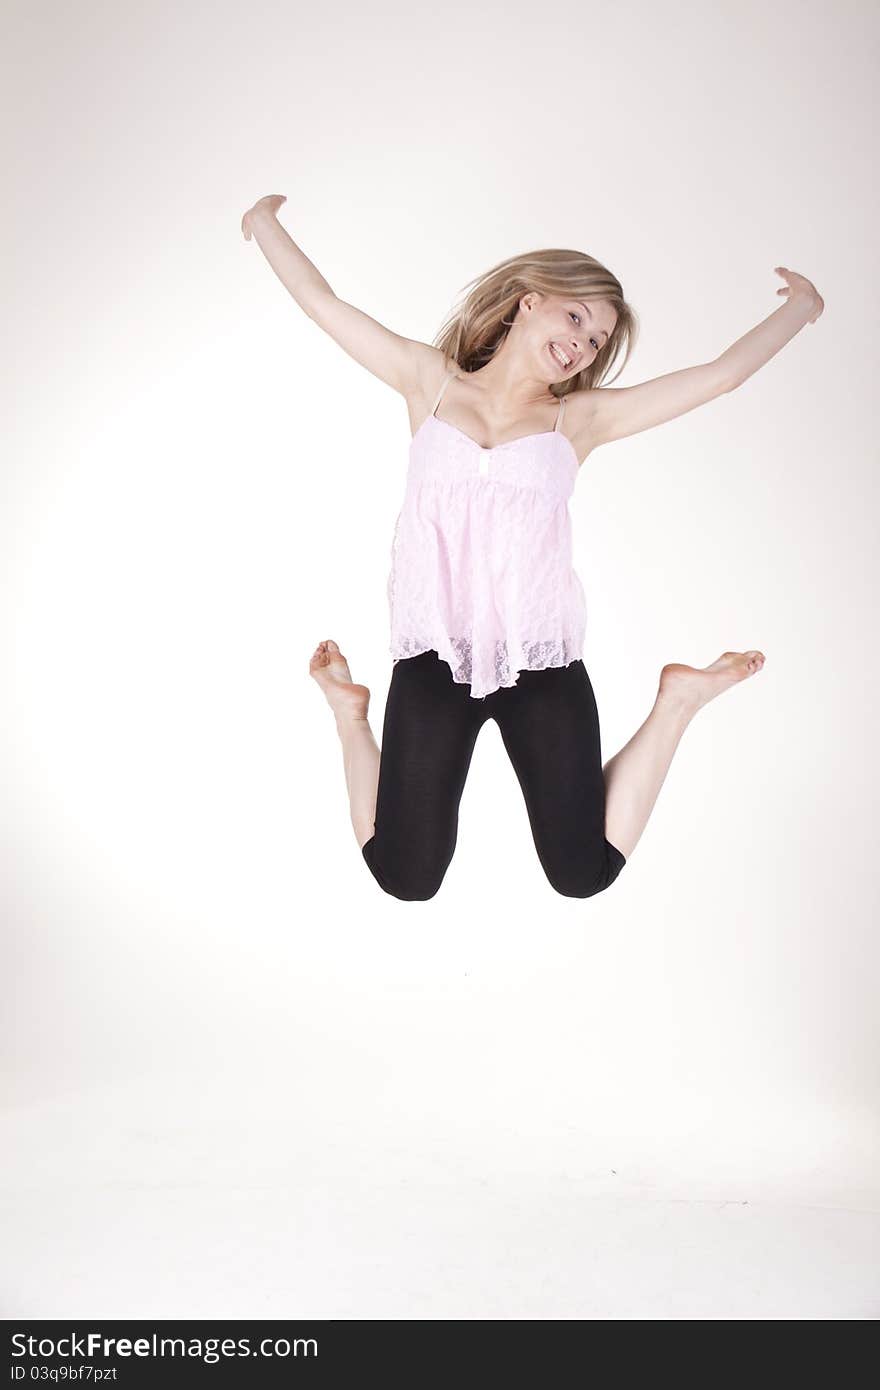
{"x":588,"y":877}
{"x":403,"y":882}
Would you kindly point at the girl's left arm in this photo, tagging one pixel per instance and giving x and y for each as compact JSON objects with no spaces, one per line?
{"x":803,"y":305}
{"x":616,"y":412}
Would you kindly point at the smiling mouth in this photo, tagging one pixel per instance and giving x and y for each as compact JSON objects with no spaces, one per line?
{"x":555,"y":353}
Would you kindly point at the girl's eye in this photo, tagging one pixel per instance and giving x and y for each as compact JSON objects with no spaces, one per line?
{"x":577,"y":319}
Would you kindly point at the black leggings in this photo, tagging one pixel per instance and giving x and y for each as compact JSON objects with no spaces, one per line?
{"x":550,"y":727}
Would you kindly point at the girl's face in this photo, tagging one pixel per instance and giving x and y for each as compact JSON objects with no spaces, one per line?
{"x":577,"y":329}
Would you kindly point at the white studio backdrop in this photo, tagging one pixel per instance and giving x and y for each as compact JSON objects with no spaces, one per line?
{"x":199,"y":486}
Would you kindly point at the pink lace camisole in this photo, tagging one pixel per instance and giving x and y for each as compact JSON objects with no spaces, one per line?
{"x":481,"y":561}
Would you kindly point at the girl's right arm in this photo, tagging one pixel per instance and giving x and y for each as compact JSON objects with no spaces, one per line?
{"x":400,"y":362}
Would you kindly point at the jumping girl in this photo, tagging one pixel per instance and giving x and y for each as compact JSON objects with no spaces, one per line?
{"x":487,"y":614}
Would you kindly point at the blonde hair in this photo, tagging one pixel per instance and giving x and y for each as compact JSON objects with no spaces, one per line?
{"x":476,"y":329}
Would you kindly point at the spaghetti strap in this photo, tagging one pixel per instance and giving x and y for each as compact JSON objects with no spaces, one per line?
{"x":450,"y":372}
{"x":560,"y":413}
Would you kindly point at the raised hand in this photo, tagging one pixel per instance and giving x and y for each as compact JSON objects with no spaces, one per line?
{"x":271,"y":203}
{"x":798,"y":287}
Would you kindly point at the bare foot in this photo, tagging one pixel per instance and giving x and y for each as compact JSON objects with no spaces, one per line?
{"x":330,"y":669}
{"x":694,"y":686}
